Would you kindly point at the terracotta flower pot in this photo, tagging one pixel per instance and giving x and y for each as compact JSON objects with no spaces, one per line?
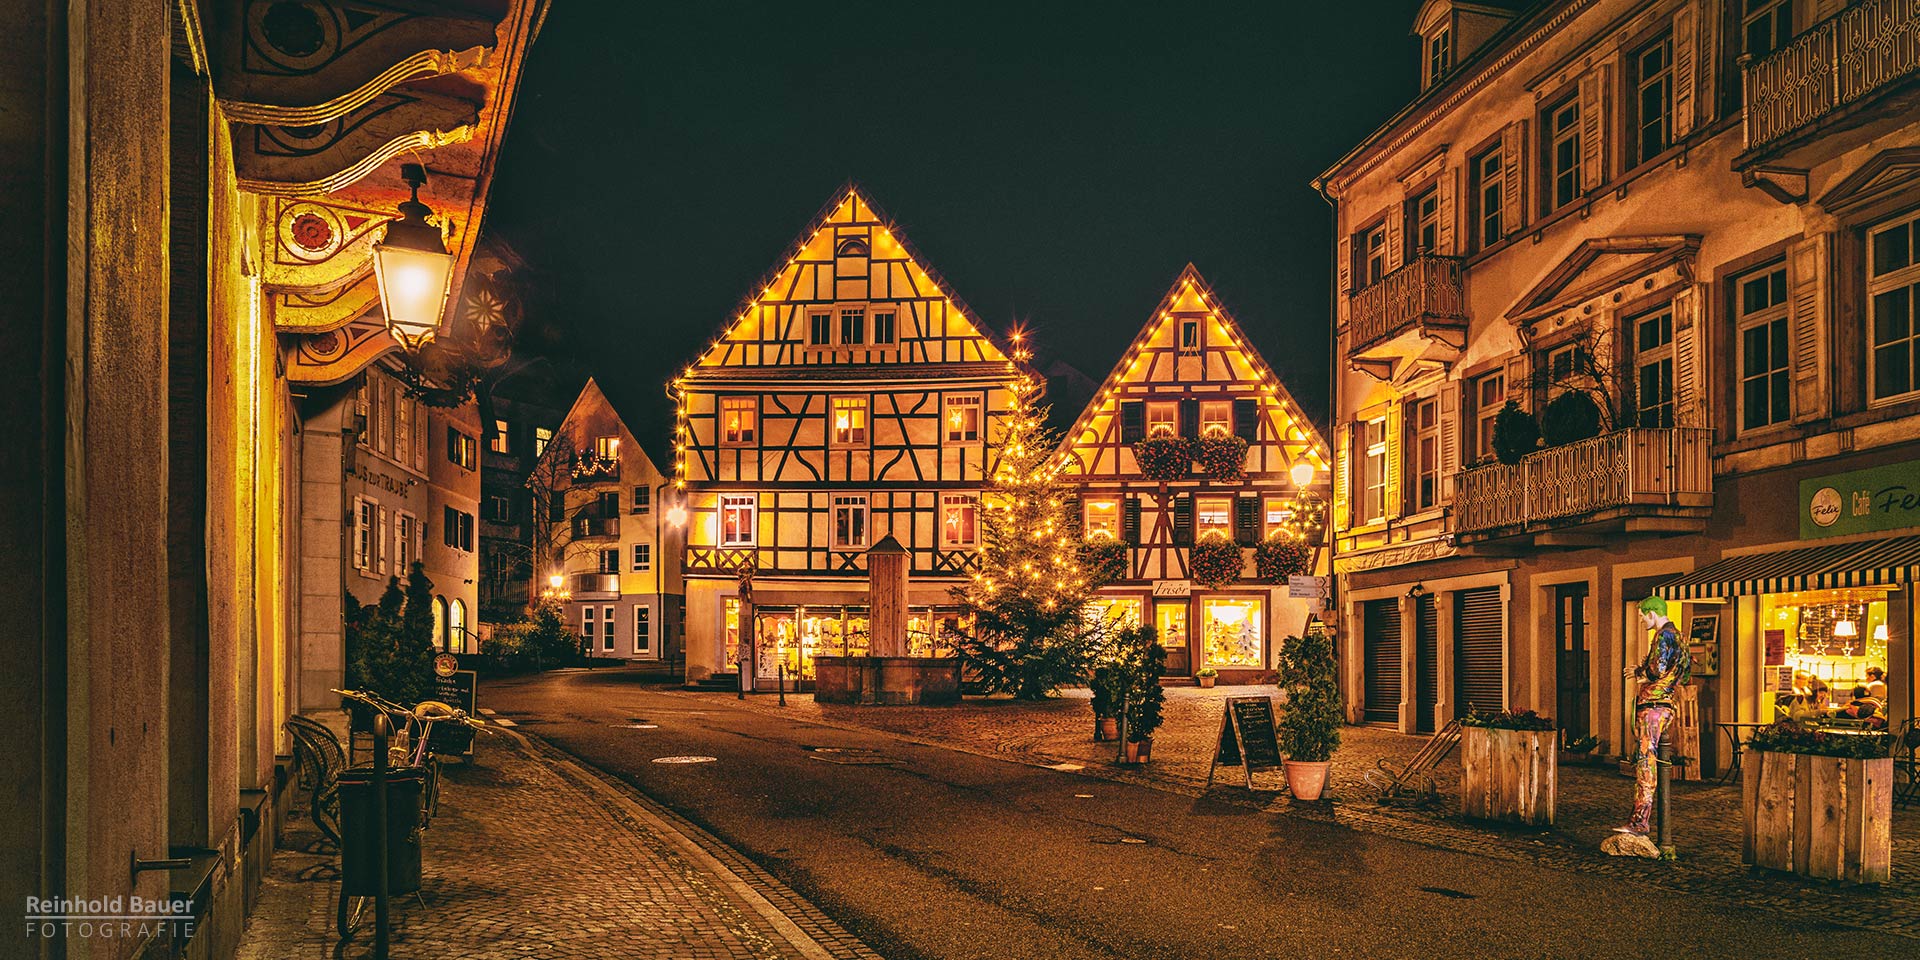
{"x":1305,"y":779}
{"x":1139,"y":751}
{"x":1206,"y":683}
{"x":1105,"y":729}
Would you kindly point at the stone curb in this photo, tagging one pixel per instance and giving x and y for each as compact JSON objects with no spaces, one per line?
{"x":811,"y":933}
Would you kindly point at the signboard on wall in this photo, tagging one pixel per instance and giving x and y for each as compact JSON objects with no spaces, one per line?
{"x":1306,"y":587}
{"x":1172,"y":588}
{"x":1861,"y":501}
{"x":1703,"y":645}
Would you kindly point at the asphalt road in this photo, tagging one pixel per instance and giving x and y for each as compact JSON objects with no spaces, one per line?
{"x":942,"y":854}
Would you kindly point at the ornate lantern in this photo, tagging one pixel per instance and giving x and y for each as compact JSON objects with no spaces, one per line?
{"x":413,"y":268}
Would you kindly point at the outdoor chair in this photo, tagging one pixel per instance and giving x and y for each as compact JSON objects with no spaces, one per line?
{"x":1414,"y":780}
{"x":319,"y":759}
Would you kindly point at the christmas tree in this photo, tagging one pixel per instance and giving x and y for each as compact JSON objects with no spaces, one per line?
{"x":1025,"y":600}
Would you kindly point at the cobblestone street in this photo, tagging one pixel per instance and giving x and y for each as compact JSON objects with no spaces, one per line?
{"x":1591,"y":801}
{"x":533,"y":856}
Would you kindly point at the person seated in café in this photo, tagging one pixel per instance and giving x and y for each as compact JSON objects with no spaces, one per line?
{"x":1865,"y":706}
{"x":1811,"y":706}
{"x":1877,"y":684}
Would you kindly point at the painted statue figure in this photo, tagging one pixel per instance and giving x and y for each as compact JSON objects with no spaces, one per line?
{"x":1666,"y":668}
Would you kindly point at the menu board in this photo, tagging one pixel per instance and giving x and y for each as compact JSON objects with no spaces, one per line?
{"x":1247,"y":738}
{"x":454,"y":690}
{"x":1703,"y":645}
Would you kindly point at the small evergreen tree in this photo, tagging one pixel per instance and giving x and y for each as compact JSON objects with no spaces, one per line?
{"x":1027,"y":637}
{"x":414,"y":647}
{"x":1310,"y":727}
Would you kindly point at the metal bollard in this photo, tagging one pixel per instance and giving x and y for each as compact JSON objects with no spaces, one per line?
{"x":782,"y":671}
{"x":381,"y":918}
{"x":1663,"y":794}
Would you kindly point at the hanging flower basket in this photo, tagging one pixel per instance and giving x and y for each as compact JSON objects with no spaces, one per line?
{"x":1280,"y":557}
{"x":1222,"y":458}
{"x":1215,"y":562}
{"x":1164,"y":458}
{"x":1105,"y":559}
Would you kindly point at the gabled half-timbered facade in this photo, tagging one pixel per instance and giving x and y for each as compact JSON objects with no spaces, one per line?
{"x":849,"y":398}
{"x":1191,"y":384}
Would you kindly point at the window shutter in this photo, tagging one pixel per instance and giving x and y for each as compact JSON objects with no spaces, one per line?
{"x":1444,"y":192}
{"x":1396,"y":444}
{"x":1133,"y":421}
{"x":1189,"y":417}
{"x":1183,"y":518}
{"x":1246,"y":420}
{"x":1689,"y":397}
{"x":1396,"y":238}
{"x":1449,"y":436}
{"x":1807,"y":293}
{"x":1513,"y":181}
{"x":1342,"y":476}
{"x":1246,"y":521}
{"x":1130,"y":520}
{"x":1684,"y":79}
{"x":1593,"y":143}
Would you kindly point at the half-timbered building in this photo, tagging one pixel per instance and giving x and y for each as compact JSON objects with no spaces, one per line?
{"x":1191,"y":378}
{"x":848,"y":399}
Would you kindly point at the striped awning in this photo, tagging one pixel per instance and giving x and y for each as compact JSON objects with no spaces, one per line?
{"x":1894,"y":560}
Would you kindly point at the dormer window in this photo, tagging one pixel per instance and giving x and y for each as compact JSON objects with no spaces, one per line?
{"x":1439,"y":54}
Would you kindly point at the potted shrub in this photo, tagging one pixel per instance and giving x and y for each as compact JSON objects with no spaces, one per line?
{"x":1206,"y":676}
{"x":1509,"y":767}
{"x":1215,"y":562}
{"x":1279,"y":556}
{"x":1309,"y":727}
{"x":1515,"y":434}
{"x":1146,"y":662}
{"x":389,"y":647}
{"x":1106,"y":685}
{"x":1569,"y":418}
{"x":1222,"y":457}
{"x":1817,"y":803}
{"x":1164,"y":457}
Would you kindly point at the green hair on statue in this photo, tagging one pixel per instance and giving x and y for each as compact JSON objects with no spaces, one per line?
{"x":1655,"y":605}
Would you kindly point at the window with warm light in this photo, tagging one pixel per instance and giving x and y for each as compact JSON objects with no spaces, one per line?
{"x":1373,"y":470}
{"x":850,"y":522}
{"x":1102,"y":519}
{"x":849,"y":423}
{"x":1212,"y":515}
{"x":1233,"y":632}
{"x":1216,"y":418}
{"x":963,"y":418}
{"x":738,"y":421}
{"x":607,"y":448}
{"x":541,"y":437}
{"x":737,"y":520}
{"x":497,"y":443}
{"x":1277,"y":513}
{"x":1116,"y":611}
{"x":958,"y":520}
{"x":461,"y":450}
{"x":1163,"y":419}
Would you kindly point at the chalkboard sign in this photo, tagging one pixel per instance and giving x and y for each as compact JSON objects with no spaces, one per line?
{"x":456,"y":690}
{"x":1247,"y":738}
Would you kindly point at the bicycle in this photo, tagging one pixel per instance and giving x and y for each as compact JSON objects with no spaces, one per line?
{"x":410,"y":752}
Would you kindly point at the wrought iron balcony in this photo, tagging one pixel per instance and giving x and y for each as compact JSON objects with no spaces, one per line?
{"x":595,"y":585}
{"x":1424,"y":291}
{"x":1850,"y":57}
{"x":1639,"y":479}
{"x":590,"y":527}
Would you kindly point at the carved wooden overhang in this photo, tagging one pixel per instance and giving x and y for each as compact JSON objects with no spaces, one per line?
{"x":325,"y":99}
{"x":1606,"y":271}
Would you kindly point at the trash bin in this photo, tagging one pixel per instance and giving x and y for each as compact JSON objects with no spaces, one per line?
{"x":358,"y":855}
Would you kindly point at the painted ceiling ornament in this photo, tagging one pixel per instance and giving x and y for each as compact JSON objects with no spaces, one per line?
{"x":486,"y":309}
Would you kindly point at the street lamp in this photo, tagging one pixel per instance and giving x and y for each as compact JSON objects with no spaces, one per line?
{"x":1302,"y":474}
{"x":413,"y":268}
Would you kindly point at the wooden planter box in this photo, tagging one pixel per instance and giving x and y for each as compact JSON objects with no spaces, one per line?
{"x":1825,"y":817}
{"x":1510,"y":775}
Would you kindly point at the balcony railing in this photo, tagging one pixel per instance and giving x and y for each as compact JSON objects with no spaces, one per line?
{"x":1843,"y":59}
{"x":1638,"y":466}
{"x":1425,"y":290}
{"x":589,"y":527}
{"x":595,"y":583}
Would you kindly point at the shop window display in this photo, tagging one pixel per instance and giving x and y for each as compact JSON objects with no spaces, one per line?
{"x":1234,"y":632}
{"x":1119,"y":611}
{"x":1170,"y":621}
{"x":1825,"y":638}
{"x":730,"y":654}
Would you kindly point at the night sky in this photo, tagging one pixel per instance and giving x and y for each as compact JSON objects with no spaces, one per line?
{"x":1057,"y":163}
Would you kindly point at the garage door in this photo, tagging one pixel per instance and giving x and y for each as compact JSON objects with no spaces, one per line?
{"x":1381,"y":640}
{"x":1479,"y":651}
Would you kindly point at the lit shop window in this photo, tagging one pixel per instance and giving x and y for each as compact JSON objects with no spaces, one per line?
{"x":1117,"y":611}
{"x":1233,"y":630}
{"x":1170,"y":621}
{"x":958,"y":516}
{"x":730,"y":623}
{"x":1103,"y":519}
